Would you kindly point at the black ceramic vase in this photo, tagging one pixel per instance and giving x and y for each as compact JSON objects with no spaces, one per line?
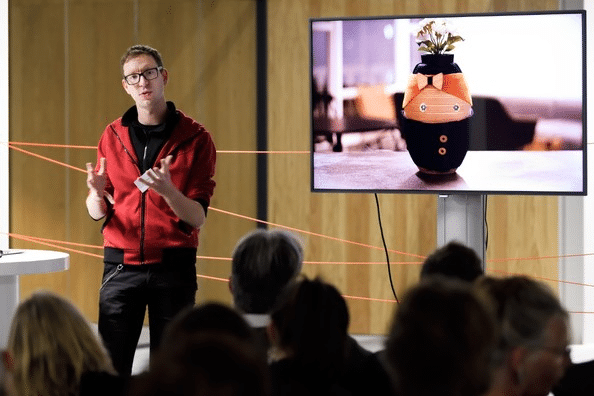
{"x":436,"y":110}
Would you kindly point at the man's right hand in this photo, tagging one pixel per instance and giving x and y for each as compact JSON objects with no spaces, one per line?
{"x":96,"y":180}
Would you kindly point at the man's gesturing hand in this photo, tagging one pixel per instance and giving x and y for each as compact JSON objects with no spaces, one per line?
{"x":96,"y":180}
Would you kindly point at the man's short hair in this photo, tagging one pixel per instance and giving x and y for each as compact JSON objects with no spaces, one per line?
{"x":453,"y":260}
{"x":264,"y":263}
{"x":140,"y":49}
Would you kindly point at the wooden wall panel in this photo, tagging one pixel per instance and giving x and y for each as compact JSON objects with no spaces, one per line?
{"x":226,"y":104}
{"x":409,"y":220}
{"x":521,"y":228}
{"x":65,"y":87}
{"x":37,"y":115}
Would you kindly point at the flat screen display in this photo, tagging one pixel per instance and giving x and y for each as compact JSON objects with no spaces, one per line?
{"x":447,"y":104}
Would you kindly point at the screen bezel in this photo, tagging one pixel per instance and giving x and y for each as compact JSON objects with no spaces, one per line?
{"x":583,"y":191}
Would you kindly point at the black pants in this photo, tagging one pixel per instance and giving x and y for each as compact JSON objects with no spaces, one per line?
{"x":126,"y":292}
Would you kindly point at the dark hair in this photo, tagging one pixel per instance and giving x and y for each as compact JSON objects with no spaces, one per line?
{"x":441,"y":340}
{"x":211,"y":316}
{"x":524,"y":307}
{"x":312,"y":326}
{"x":263,"y":263}
{"x":206,"y":350}
{"x":453,"y":260}
{"x":205,"y":364}
{"x":140,"y":49}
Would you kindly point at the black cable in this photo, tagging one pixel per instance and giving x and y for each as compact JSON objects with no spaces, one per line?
{"x":379,"y":219}
{"x":261,"y":112}
{"x":486,"y":225}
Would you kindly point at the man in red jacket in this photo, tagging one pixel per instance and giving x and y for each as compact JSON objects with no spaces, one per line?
{"x":152,"y":183}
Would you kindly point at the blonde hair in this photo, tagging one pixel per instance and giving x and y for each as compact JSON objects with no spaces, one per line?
{"x":52,"y":345}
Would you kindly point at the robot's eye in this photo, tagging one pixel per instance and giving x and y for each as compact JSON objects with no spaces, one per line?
{"x":456,"y":107}
{"x":423,"y":107}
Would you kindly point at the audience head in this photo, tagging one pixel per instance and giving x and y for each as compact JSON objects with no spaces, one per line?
{"x":311,"y":327}
{"x":441,"y":340}
{"x":532,"y":353}
{"x":453,"y":260}
{"x":206,"y":350}
{"x":264,"y":263}
{"x":50,"y":346}
{"x":205,"y":364}
{"x":208,"y":317}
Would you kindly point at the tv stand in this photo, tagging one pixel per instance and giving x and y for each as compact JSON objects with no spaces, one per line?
{"x":462,"y":218}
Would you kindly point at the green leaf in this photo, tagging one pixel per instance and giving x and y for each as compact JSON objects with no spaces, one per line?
{"x":454,"y":39}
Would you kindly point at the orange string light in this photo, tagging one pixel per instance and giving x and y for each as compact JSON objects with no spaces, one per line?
{"x":260,"y":152}
{"x":53,"y":145}
{"x":502,"y":260}
{"x":46,"y":158}
{"x":32,"y":238}
{"x":311,"y":233}
{"x":55,"y":244}
{"x":543,"y":278}
{"x":41,"y":242}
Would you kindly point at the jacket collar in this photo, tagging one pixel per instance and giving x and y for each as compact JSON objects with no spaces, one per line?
{"x":130,"y":117}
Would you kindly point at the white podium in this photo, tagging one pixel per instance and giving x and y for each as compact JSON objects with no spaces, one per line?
{"x":13,"y":265}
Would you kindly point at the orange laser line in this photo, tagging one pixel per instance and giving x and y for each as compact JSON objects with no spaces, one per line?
{"x":47,"y":159}
{"x":542,"y":278}
{"x":27,"y":239}
{"x":11,"y":145}
{"x":56,"y":242}
{"x":260,"y":152}
{"x":349,"y":297}
{"x":538,"y":258}
{"x":95,"y":147}
{"x":51,"y":145}
{"x":38,"y":240}
{"x":18,"y":236}
{"x":242,"y":216}
{"x":32,"y":239}
{"x":311,"y":233}
{"x":362,"y":262}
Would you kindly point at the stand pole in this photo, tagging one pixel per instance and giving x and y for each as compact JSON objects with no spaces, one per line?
{"x":461,"y":218}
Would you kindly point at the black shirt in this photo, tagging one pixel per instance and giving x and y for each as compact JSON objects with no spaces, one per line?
{"x":149,"y":139}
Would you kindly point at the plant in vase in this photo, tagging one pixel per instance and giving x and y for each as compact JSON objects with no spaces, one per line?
{"x":435,"y":36}
{"x":437,"y":105}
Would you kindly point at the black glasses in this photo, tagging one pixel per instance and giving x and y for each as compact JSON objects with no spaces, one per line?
{"x":148,"y":74}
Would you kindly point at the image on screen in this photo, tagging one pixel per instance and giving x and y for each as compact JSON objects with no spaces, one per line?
{"x":492,"y":104}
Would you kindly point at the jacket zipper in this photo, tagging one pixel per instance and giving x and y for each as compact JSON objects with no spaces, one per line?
{"x":142,"y":208}
{"x":143,"y":205}
{"x":142,"y":200}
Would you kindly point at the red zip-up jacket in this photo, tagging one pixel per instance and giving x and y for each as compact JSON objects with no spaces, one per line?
{"x":140,"y":227}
